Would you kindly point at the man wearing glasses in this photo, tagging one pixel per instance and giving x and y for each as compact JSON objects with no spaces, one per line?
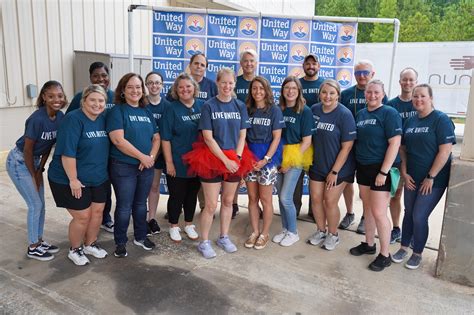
{"x":354,"y":99}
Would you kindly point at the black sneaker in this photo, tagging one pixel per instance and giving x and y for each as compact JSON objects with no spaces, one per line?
{"x":120,"y":251}
{"x":347,"y":221}
{"x":53,"y":249}
{"x":362,"y":249}
{"x":153,"y":227}
{"x":146,"y":244}
{"x":235,"y":210}
{"x":380,"y":263}
{"x":39,"y":253}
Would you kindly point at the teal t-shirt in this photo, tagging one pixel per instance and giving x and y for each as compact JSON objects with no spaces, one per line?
{"x":158,"y":110}
{"x":298,"y":125}
{"x":85,"y":140}
{"x":405,"y":109}
{"x":180,"y":127}
{"x":374,"y":128}
{"x":242,"y":88}
{"x":263,"y":123}
{"x":76,"y":101}
{"x":422,"y":138}
{"x":138,"y":125}
{"x":311,"y":90}
{"x":354,"y":99}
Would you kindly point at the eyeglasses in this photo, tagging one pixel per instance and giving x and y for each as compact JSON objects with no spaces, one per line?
{"x":151,"y":83}
{"x":360,"y":73}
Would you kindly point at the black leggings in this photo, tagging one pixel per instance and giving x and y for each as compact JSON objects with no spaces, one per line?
{"x":182,"y":195}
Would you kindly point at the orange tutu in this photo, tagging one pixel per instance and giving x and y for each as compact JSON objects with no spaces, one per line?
{"x":203,"y":163}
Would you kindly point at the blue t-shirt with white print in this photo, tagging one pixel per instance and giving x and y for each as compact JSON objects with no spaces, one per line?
{"x":158,"y":110}
{"x":42,"y":130}
{"x":242,"y":88}
{"x":405,"y":109}
{"x":374,"y":128}
{"x":354,"y":99}
{"x":85,"y":140}
{"x":225,"y":120}
{"x":311,"y":90}
{"x":332,"y":129}
{"x":139,"y":127}
{"x":207,"y":90}
{"x":422,"y":138}
{"x":298,"y":125}
{"x":263,"y":123}
{"x":179,"y":126}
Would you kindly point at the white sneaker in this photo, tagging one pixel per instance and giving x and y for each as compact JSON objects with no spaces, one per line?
{"x":77,"y":256}
{"x":280,"y":236}
{"x":190,"y":231}
{"x":290,"y":239}
{"x":174,"y":234}
{"x":95,"y":250}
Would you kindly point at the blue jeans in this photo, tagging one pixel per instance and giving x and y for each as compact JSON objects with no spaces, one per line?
{"x":34,"y":199}
{"x":286,"y":184}
{"x":131,"y":188}
{"x":106,"y":218}
{"x":418,"y":208}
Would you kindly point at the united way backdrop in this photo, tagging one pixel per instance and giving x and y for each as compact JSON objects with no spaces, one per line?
{"x":282,"y":43}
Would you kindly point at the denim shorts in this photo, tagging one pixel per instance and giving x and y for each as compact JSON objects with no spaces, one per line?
{"x":64,"y":199}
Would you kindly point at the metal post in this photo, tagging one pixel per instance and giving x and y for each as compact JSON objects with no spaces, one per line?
{"x":396,"y":29}
{"x":130,"y":36}
{"x":467,"y":149}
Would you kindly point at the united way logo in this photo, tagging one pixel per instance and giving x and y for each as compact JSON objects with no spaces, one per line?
{"x":194,"y":46}
{"x":195,"y":23}
{"x":246,"y":46}
{"x":297,"y":72}
{"x":298,"y":52}
{"x":344,"y":78}
{"x":248,"y":27}
{"x":300,"y":29}
{"x":345,"y":55}
{"x":347,"y":33}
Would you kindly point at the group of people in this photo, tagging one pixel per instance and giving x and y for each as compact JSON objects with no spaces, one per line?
{"x":209,"y":137}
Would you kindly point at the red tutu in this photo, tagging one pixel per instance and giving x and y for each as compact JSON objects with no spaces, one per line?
{"x":203,"y":163}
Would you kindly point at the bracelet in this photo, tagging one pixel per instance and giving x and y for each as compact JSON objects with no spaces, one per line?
{"x":384,"y":174}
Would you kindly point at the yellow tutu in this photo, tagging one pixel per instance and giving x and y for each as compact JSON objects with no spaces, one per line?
{"x":292,"y":156}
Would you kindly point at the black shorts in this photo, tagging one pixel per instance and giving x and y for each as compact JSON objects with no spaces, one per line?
{"x":366,"y":175}
{"x":64,"y":199}
{"x":218,"y":179}
{"x":318,"y":178}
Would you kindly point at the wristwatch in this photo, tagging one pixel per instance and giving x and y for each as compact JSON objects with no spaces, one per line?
{"x":267,"y":158}
{"x":333,"y":172}
{"x":429,"y":176}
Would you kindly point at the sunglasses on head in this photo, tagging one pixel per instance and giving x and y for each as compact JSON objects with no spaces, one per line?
{"x":362,"y":73}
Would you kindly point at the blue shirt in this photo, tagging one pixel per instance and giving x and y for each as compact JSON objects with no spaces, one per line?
{"x":225,"y":120}
{"x":180,"y":127}
{"x":354,"y":99}
{"x":297,"y":125}
{"x":262,"y":124}
{"x":405,"y":109}
{"x":311,"y":90}
{"x":422,"y":138}
{"x":85,"y":140}
{"x":76,"y":101}
{"x":374,"y":128}
{"x":158,"y":110}
{"x":207,"y":90}
{"x":138,"y":126}
{"x":242,"y":88}
{"x":42,"y":130}
{"x":332,"y":129}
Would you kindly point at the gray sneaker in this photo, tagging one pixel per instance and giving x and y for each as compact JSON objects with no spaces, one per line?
{"x":347,"y":221}
{"x":331,"y":241}
{"x":317,"y":238}
{"x":399,"y":256}
{"x":361,"y":226}
{"x":413,"y":262}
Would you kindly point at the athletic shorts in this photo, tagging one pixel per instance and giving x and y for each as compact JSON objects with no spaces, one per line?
{"x":64,"y":199}
{"x":265,"y":176}
{"x":318,"y":178}
{"x":366,"y":175}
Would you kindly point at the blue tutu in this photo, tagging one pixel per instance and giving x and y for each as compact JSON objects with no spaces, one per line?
{"x":261,"y":149}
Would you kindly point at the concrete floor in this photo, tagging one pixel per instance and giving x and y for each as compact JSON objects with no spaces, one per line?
{"x":175,"y":279}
